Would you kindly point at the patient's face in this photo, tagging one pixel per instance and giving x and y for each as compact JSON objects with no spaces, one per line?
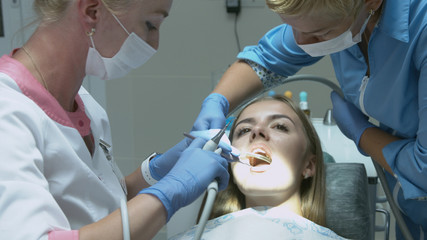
{"x":271,"y":128}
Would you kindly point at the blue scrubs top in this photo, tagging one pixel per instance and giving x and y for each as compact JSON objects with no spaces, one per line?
{"x":395,"y":94}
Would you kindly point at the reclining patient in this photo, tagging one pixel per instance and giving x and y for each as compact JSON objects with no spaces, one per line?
{"x":282,"y":195}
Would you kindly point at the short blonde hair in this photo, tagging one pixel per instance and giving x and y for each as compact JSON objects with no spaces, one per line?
{"x":337,"y":8}
{"x":312,"y":189}
{"x":53,"y":10}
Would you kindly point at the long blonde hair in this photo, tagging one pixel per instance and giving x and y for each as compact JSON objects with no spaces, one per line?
{"x":335,"y":8}
{"x":312,"y":189}
{"x":53,"y":10}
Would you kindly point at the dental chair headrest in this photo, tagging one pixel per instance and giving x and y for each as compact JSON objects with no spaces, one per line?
{"x":348,"y":210}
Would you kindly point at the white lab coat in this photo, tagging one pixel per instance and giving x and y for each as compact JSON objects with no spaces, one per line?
{"x":48,"y":179}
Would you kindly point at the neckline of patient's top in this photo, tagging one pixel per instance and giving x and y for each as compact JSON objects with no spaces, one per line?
{"x":34,"y":90}
{"x":261,"y":223}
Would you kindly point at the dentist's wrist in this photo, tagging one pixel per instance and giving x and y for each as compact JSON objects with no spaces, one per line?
{"x":145,"y":169}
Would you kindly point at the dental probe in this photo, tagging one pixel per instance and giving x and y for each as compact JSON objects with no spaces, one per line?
{"x":212,"y":190}
{"x":230,"y":157}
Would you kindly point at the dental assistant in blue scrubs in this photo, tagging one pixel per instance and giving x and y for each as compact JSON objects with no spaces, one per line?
{"x":379,"y":52}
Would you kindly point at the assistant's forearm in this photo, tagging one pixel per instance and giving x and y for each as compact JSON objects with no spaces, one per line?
{"x":147,"y":216}
{"x":372,"y":141}
{"x":238,"y":83}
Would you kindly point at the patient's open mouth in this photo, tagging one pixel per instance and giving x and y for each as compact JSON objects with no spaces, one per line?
{"x":258,"y":156}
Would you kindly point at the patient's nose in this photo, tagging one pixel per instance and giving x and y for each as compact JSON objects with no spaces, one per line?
{"x":259,"y":132}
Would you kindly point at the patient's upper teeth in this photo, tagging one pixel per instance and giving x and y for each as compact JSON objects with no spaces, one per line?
{"x":258,"y":150}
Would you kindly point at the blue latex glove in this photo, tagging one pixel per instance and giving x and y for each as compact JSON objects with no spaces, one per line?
{"x":162,"y":164}
{"x":213,"y":112}
{"x":189,"y":178}
{"x":224,"y":143}
{"x":350,"y":120}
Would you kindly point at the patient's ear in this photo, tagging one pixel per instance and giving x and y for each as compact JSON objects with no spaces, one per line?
{"x":310,"y":167}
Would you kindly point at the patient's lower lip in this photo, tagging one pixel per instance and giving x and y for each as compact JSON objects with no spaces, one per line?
{"x":260,"y":168}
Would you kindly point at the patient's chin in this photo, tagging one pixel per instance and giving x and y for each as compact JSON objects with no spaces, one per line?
{"x":265,"y":197}
{"x":264,"y":179}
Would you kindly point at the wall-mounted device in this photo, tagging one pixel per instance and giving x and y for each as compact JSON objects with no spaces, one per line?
{"x":233,"y":6}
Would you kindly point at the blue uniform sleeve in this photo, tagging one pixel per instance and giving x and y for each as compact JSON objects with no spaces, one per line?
{"x":408,"y":157}
{"x":277,"y":52}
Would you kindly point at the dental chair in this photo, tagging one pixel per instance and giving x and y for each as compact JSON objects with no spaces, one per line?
{"x":348,"y":208}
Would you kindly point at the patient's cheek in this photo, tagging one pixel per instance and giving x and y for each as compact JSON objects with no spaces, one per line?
{"x":240,"y":173}
{"x":237,"y":170}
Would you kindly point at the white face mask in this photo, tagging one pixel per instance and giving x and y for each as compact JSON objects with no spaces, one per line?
{"x":133,"y":54}
{"x":334,"y":45}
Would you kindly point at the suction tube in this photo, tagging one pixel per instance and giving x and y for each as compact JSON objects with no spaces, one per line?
{"x":211,"y":195}
{"x":397,"y":214}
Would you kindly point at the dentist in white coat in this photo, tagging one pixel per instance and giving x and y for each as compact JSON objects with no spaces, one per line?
{"x":58,"y":179}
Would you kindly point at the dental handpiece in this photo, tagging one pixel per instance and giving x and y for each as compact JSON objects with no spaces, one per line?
{"x":212,"y":189}
{"x":212,"y":144}
{"x":230,"y":157}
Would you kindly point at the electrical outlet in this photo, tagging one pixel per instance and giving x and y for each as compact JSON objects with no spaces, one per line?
{"x":253,"y":3}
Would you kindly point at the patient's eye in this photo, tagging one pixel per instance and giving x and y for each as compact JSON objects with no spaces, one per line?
{"x":242,"y":131}
{"x":281,"y":127}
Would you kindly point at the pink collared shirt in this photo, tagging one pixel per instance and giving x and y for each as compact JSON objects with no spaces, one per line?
{"x":50,"y":184}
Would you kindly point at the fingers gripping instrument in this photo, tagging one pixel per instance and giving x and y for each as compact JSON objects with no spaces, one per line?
{"x":212,"y":144}
{"x":212,"y":190}
{"x":231,"y":157}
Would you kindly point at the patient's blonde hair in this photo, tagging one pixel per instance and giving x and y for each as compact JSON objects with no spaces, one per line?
{"x":337,"y":9}
{"x":312,"y":189}
{"x":53,"y":10}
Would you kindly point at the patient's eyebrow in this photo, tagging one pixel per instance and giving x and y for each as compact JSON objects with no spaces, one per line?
{"x":246,"y":120}
{"x":272,"y":117}
{"x":278,"y":116}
